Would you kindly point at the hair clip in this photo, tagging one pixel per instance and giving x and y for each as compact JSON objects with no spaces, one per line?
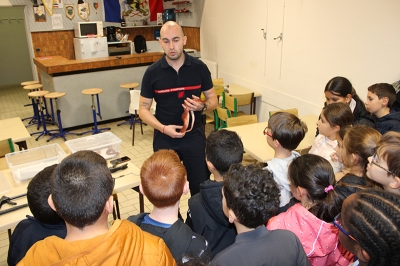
{"x":328,"y":188}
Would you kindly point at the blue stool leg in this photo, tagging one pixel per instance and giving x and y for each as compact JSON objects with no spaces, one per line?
{"x":43,"y":122}
{"x":45,"y":108}
{"x":35,"y":119}
{"x":98,"y":106}
{"x":95,"y":129}
{"x":60,"y":128}
{"x":127,"y":121}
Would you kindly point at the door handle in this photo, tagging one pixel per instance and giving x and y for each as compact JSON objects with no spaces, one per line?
{"x":280,"y":37}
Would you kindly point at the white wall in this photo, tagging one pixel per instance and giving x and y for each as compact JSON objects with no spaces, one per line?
{"x":5,"y":3}
{"x":357,"y":39}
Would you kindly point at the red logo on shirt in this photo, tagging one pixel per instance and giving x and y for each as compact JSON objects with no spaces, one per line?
{"x":181,"y":94}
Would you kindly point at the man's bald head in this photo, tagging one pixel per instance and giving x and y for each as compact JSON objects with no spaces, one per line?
{"x":171,"y":25}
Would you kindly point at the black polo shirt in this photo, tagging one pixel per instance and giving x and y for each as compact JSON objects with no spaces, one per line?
{"x":170,"y":88}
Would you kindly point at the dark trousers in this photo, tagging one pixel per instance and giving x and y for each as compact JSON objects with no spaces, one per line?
{"x":191,"y":151}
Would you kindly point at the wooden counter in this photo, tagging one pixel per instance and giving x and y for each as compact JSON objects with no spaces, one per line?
{"x":72,"y":76}
{"x":56,"y":65}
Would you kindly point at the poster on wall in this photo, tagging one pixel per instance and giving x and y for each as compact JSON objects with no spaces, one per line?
{"x":48,"y":4}
{"x":56,"y":22}
{"x":58,"y":4}
{"x":69,"y":11}
{"x":84,"y":11}
{"x":39,"y":14}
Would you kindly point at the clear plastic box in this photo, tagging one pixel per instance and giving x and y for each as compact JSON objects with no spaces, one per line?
{"x":106,"y":144}
{"x":26,"y":164}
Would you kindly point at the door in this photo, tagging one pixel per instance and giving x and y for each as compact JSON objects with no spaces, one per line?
{"x":15,"y":61}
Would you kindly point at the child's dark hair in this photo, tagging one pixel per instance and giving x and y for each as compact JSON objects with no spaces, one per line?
{"x":38,"y":192}
{"x":361,"y":141}
{"x":224,"y":148}
{"x":288,"y":129}
{"x":252,"y":194}
{"x":373,"y":219}
{"x":341,"y":86}
{"x":315,"y":174}
{"x":389,"y":150}
{"x":384,"y":90}
{"x":81,"y":186}
{"x":338,"y":114}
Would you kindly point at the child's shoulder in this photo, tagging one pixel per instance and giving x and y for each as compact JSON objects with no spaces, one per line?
{"x":389,"y":122}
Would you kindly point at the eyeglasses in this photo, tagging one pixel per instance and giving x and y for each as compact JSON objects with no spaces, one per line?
{"x":373,"y":161}
{"x":336,"y":223}
{"x":265,"y":132}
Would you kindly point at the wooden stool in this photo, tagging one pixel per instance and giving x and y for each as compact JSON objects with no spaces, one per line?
{"x":62,"y":133}
{"x":26,"y":83}
{"x":38,"y":95}
{"x":35,"y":118}
{"x":92,"y":92}
{"x":132,"y":119}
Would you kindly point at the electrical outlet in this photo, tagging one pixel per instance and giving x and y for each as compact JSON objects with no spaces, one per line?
{"x":37,"y":50}
{"x":180,"y":22}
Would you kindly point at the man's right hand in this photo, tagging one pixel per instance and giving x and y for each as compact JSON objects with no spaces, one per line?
{"x":173,"y":131}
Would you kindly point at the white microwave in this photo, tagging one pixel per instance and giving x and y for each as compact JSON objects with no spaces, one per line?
{"x":83,"y":29}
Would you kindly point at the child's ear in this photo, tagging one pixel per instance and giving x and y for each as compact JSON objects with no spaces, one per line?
{"x":141,"y":189}
{"x":210,"y":165}
{"x":395,"y":184}
{"x":185,"y":188}
{"x":302,"y":191}
{"x":51,"y":203}
{"x":362,"y":254}
{"x":355,"y":159}
{"x":336,"y":128}
{"x":385,"y":101}
{"x":109,"y":204}
{"x":276,"y":143}
{"x":232,"y":216}
{"x":348,"y":98}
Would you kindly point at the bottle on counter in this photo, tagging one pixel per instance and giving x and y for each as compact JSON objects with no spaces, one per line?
{"x":123,"y":22}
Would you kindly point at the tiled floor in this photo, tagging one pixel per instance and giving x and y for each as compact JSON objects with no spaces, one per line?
{"x":12,"y":102}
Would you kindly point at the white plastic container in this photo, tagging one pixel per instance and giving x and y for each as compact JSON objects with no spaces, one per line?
{"x":26,"y":164}
{"x":106,"y":144}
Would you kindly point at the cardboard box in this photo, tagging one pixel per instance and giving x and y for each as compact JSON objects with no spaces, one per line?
{"x":106,"y":144}
{"x":26,"y":164}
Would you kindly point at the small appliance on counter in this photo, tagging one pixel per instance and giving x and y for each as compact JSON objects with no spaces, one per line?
{"x":90,"y":48}
{"x":88,"y":28}
{"x":111,"y":34}
{"x":119,"y":48}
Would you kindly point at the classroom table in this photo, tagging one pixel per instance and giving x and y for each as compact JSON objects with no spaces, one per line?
{"x":124,"y":179}
{"x":255,"y":142}
{"x":14,"y":128}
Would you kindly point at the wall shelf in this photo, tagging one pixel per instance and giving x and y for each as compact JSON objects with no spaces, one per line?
{"x":177,"y":3}
{"x":146,"y":26}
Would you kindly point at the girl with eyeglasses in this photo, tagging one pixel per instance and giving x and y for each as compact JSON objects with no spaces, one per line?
{"x":333,"y":119}
{"x":312,"y":182}
{"x":369,"y":227}
{"x":358,"y":144}
{"x":384,"y":165}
